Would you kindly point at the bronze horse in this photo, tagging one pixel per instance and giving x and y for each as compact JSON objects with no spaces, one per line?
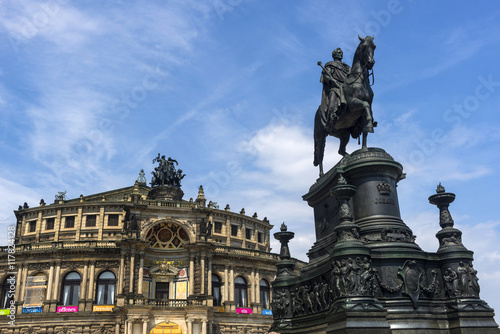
{"x":357,"y":118}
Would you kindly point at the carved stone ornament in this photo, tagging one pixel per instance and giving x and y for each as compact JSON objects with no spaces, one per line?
{"x":384,"y":188}
{"x":38,"y":266}
{"x":397,"y":235}
{"x":281,"y":304}
{"x":352,"y":277}
{"x":412,"y":275}
{"x":101,"y":330}
{"x":462,"y":282}
{"x":311,"y":298}
{"x":164,"y":271}
{"x":65,"y":330}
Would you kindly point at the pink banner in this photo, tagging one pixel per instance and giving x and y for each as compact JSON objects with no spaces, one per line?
{"x":244,"y":310}
{"x":67,"y":309}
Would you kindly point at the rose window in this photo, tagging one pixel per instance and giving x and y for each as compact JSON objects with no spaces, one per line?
{"x":167,"y":235}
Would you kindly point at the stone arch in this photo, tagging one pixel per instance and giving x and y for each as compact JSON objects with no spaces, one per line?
{"x":186,"y":225}
{"x":168,"y":234}
{"x":167,"y":327}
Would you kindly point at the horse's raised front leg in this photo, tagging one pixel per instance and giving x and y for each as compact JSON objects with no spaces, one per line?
{"x":368,"y":113}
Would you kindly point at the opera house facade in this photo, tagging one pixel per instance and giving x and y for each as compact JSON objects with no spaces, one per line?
{"x":138,"y":259}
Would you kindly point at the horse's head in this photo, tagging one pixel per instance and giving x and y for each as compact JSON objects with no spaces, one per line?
{"x":366,"y":49}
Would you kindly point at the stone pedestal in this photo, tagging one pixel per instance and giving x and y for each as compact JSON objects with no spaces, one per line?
{"x":365,"y":273}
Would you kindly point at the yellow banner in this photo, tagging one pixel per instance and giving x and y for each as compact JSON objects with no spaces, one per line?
{"x":219,"y":309}
{"x":103,"y":308}
{"x":181,"y":290}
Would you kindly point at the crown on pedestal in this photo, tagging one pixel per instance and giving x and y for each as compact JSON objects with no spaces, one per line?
{"x":384,"y":188}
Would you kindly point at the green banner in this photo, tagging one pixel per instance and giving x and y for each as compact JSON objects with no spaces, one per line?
{"x":5,"y":311}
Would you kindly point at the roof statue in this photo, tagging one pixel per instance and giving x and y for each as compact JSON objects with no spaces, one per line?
{"x":346,"y":100}
{"x":166,"y":180}
{"x":165,"y":173}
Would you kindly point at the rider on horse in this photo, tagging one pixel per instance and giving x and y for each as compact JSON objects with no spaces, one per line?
{"x":333,"y":101}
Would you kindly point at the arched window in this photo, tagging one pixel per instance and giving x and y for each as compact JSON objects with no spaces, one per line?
{"x":167,"y":236}
{"x":7,"y":293}
{"x":216,"y":284}
{"x":264,"y":294}
{"x":35,"y":289}
{"x":106,"y":288}
{"x":70,"y":291}
{"x":240,"y":292}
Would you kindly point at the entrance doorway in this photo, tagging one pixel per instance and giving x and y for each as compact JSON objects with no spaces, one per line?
{"x":165,"y":328}
{"x":162,"y":289}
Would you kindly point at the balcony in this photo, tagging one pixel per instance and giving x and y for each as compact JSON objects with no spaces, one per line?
{"x":168,"y":303}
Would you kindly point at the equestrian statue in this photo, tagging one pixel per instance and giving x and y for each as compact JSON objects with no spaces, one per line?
{"x":346,"y":101}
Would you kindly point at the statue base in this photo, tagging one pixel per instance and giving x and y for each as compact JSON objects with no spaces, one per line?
{"x":366,"y":274}
{"x":166,"y":193}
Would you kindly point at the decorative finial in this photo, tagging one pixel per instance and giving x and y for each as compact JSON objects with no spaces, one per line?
{"x":440,"y":189}
{"x":227,"y":208}
{"x":142,"y":178}
{"x":42,"y":202}
{"x":242,"y":212}
{"x":283,"y":227}
{"x":254,"y":215}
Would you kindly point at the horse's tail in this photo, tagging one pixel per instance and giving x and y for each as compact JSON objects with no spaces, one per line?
{"x":319,"y":139}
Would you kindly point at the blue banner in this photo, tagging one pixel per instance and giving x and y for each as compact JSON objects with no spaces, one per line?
{"x":267,"y":312}
{"x":36,"y":309}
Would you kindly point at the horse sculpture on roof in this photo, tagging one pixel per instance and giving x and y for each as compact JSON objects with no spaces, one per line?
{"x":348,"y":112}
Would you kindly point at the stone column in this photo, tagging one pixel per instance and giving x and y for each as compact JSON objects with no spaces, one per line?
{"x":117,"y":328}
{"x":209,"y":278}
{"x":19,"y":279}
{"x":228,"y":232}
{"x":121,"y":273}
{"x":49,"y":283}
{"x":191,"y":275}
{"x":257,"y":287}
{"x":252,"y":287}
{"x":190,"y":326}
{"x":78,"y":223}
{"x":56,"y":282}
{"x":141,"y":274}
{"x":203,"y":327}
{"x":90,"y":295}
{"x":83,"y":286}
{"x":210,"y":327}
{"x":202,"y":263}
{"x":145,"y":326}
{"x":231,"y":284}
{"x":225,"y":296}
{"x":129,"y":327}
{"x":132,"y":265}
{"x":57,"y":224}
{"x":38,"y":226}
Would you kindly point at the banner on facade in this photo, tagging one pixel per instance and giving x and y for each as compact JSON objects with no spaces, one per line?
{"x":5,"y":311}
{"x":67,"y":309}
{"x":32,"y":309}
{"x":267,"y":312}
{"x":181,"y":290}
{"x":103,"y":308}
{"x":244,"y":310}
{"x":219,"y":309}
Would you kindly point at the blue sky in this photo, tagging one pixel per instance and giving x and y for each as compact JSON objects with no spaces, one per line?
{"x":91,"y":91}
